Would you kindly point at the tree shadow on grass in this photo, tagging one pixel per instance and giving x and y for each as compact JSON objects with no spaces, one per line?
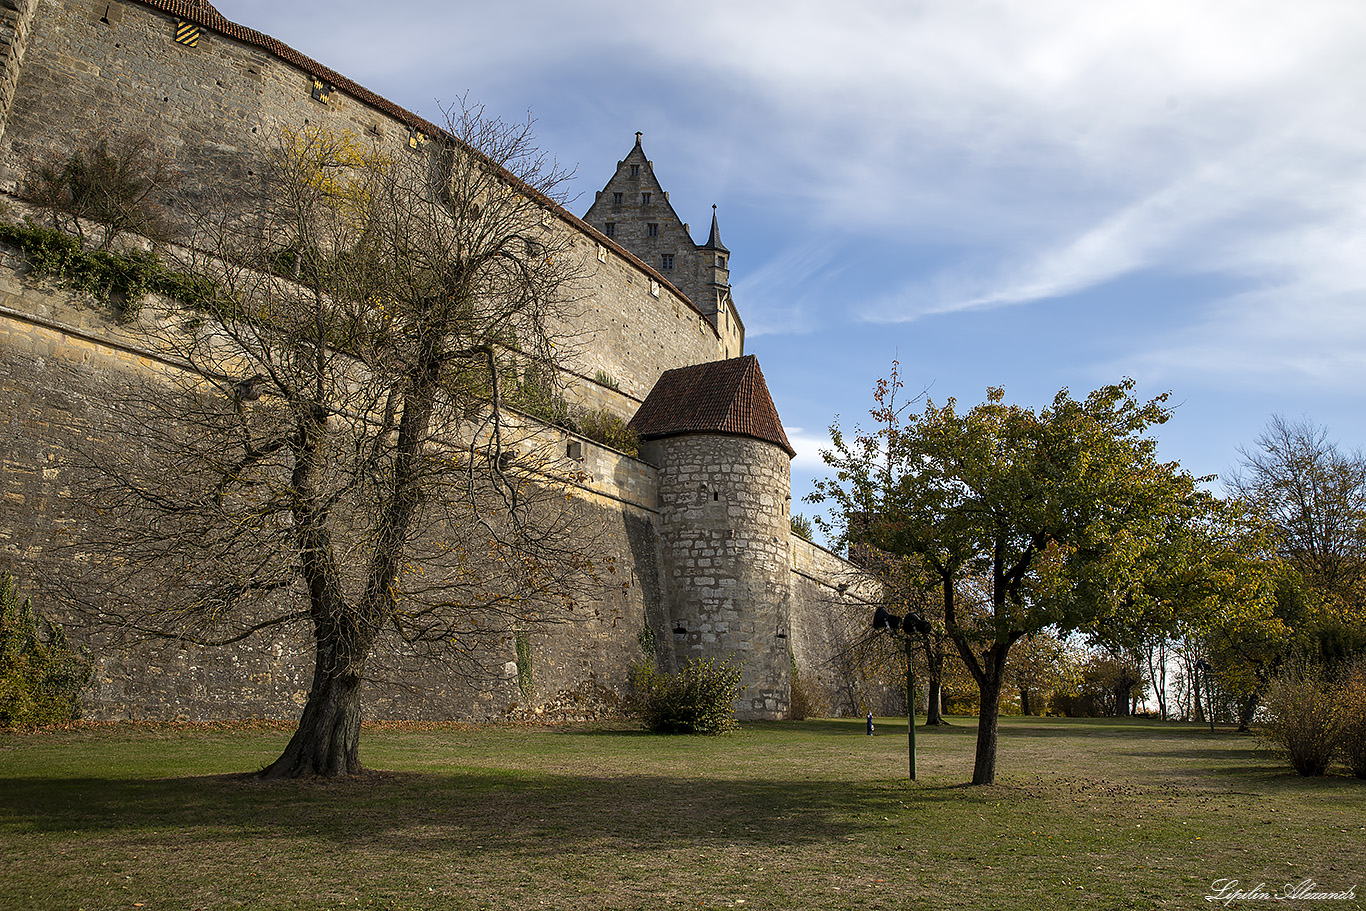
{"x":468,"y":811}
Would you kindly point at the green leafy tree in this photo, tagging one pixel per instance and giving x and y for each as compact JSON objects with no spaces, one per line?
{"x":1000,"y":491}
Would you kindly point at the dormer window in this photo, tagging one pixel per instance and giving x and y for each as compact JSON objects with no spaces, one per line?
{"x":644,"y":199}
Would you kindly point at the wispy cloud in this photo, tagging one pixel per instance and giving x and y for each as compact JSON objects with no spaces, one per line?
{"x":808,"y":446}
{"x":778,"y":296}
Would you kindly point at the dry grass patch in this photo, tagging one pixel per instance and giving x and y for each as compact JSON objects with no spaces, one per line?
{"x":810,"y":815}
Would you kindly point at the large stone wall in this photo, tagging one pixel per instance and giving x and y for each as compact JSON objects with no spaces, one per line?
{"x":832,"y":610}
{"x":72,"y":71}
{"x":700,"y":538}
{"x":112,"y":69}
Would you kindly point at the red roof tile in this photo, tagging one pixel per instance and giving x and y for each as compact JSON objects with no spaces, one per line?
{"x":728,"y":397}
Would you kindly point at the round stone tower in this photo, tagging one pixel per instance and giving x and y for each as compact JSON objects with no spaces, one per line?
{"x":724,"y":523}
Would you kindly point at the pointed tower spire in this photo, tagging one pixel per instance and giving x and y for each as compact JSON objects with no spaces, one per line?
{"x":714,"y":240}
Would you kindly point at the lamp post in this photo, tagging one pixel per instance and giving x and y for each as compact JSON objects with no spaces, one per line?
{"x":902,"y":628}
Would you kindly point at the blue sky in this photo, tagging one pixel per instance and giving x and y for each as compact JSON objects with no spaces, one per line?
{"x":1027,"y":194}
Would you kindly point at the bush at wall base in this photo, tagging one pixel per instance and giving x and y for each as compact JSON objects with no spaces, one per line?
{"x":40,"y":675}
{"x":699,"y":699}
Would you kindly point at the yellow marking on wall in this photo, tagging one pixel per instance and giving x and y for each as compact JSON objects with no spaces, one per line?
{"x":187,"y":33}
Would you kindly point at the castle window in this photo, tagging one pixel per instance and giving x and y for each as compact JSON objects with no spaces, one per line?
{"x":652,"y":230}
{"x":654,"y":288}
{"x":610,"y":229}
{"x":322,"y":90}
{"x":644,"y":199}
{"x":616,"y":199}
{"x":720,"y":261}
{"x":635,"y":170}
{"x":666,"y":261}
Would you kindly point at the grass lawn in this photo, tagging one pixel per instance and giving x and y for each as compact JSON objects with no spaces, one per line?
{"x":814,"y":815}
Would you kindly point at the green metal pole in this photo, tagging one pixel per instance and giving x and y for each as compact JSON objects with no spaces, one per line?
{"x":910,"y":704}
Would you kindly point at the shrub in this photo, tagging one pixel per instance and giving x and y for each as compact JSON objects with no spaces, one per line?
{"x":40,"y":675}
{"x":699,"y":699}
{"x":1349,"y":698}
{"x":604,"y":427}
{"x":1301,"y":723}
{"x":116,"y":184}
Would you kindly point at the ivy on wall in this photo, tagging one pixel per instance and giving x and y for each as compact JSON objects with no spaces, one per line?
{"x":122,"y":279}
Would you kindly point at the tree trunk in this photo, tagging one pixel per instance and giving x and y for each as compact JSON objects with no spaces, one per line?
{"x":1122,"y":698}
{"x":988,"y":723}
{"x":327,"y":741}
{"x":934,"y":672}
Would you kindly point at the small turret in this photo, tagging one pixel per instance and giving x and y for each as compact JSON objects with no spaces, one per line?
{"x":725,"y":528}
{"x":716,"y":267}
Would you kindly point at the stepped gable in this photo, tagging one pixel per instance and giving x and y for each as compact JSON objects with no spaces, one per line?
{"x":728,"y":397}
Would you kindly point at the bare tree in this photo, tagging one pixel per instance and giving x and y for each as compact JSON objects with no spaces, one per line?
{"x":337,"y":454}
{"x":119,"y":185}
{"x":1313,"y":497}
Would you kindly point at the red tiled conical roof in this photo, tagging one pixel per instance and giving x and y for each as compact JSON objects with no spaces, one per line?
{"x":728,"y":397}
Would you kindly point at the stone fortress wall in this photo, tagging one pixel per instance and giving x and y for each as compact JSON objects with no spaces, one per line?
{"x":72,"y":71}
{"x":111,"y":69}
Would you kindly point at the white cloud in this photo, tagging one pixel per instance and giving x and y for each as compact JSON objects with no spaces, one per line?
{"x":778,"y":296}
{"x":808,"y":447}
{"x":1048,"y":146}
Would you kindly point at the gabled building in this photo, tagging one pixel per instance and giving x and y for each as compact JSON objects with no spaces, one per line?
{"x":634,"y":210}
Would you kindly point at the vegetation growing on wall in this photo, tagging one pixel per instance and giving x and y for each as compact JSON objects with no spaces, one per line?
{"x":525,"y":681}
{"x":123,"y":279}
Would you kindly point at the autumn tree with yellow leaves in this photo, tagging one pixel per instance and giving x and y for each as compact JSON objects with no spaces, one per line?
{"x":339,"y":456}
